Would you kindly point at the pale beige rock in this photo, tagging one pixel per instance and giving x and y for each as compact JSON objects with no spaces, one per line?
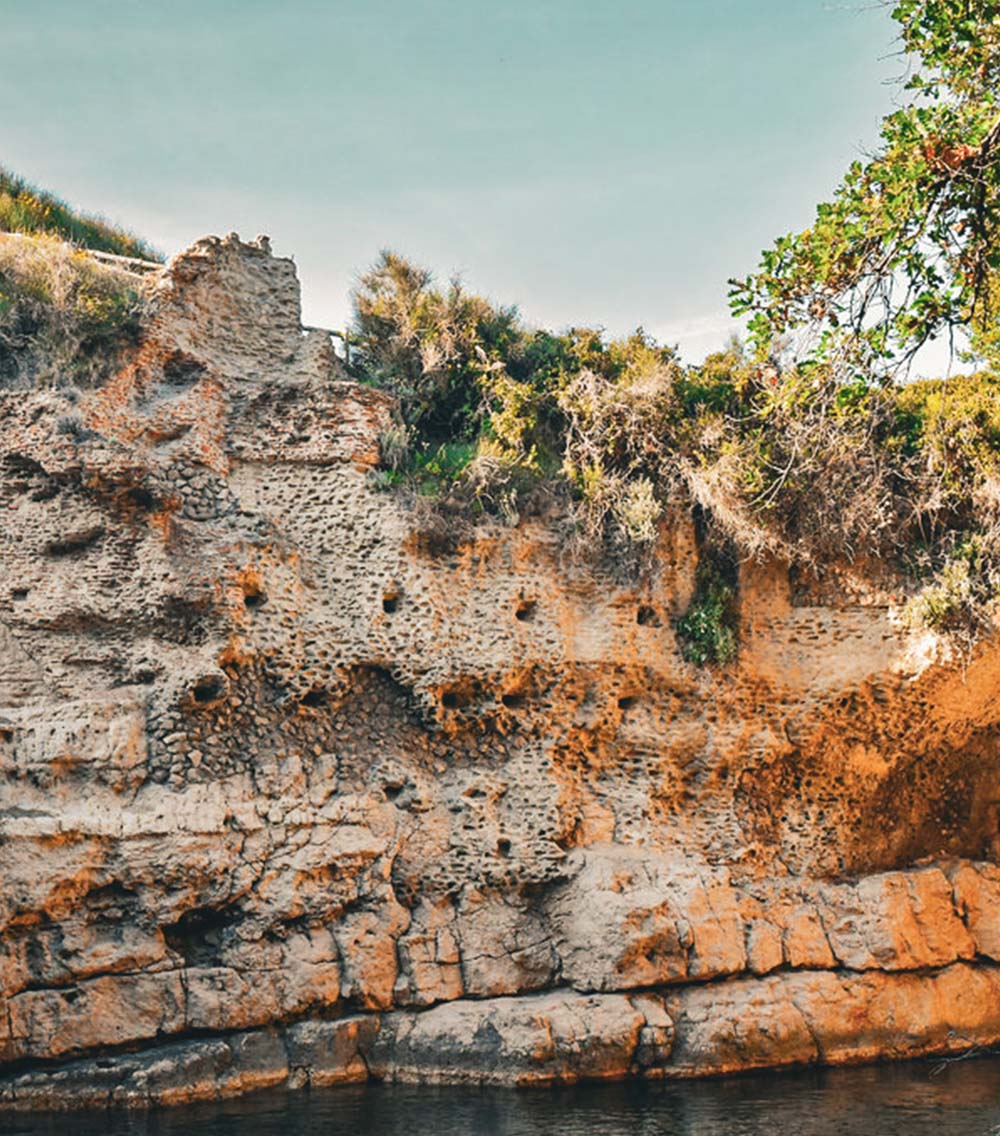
{"x":804,"y":940}
{"x":737,"y":1025}
{"x":627,"y":921}
{"x":537,"y":1039}
{"x":764,"y":947}
{"x":108,"y":1011}
{"x":896,"y":921}
{"x":781,"y":1020}
{"x":977,"y":899}
{"x":188,"y":1071}
{"x":330,"y":1053}
{"x":367,"y":944}
{"x":278,"y":746}
{"x":430,"y":962}
{"x":505,"y":948}
{"x":802,"y":1018}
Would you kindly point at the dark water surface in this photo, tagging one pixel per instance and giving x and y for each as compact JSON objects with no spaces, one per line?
{"x":894,"y":1100}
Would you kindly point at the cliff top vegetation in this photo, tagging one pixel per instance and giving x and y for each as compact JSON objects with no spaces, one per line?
{"x":808,"y":442}
{"x":64,"y":316}
{"x":26,"y":209}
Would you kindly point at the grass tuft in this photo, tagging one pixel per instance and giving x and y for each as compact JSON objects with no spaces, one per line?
{"x":26,"y":209}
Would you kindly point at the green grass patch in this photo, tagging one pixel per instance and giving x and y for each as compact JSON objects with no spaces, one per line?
{"x":24,"y":208}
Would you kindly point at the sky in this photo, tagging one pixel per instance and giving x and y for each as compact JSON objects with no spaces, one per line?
{"x":597,"y":162}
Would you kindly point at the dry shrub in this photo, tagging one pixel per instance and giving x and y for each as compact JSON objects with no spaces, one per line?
{"x":63,"y":316}
{"x":617,"y":452}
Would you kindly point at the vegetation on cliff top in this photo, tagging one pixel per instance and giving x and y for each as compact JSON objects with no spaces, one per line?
{"x":64,"y":316}
{"x":804,"y":443}
{"x":26,"y":209}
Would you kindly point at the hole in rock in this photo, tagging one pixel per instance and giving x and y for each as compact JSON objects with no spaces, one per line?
{"x":197,"y":935}
{"x":525,"y":611}
{"x":6,"y":734}
{"x":316,"y":698}
{"x":76,"y":542}
{"x":646,"y":616}
{"x":454,"y":699}
{"x":141,"y":498}
{"x":170,"y":432}
{"x":627,"y":701}
{"x":19,"y":595}
{"x":514,"y":700}
{"x":208,"y":689}
{"x":182,"y":370}
{"x":390,"y":604}
{"x":503,"y":847}
{"x":254,"y":599}
{"x":110,"y":896}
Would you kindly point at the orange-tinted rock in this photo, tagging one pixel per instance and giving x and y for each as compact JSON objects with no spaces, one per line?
{"x":808,"y":1017}
{"x":977,"y":900}
{"x":277,"y":747}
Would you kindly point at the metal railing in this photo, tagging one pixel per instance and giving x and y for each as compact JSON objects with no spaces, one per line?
{"x":140,"y":264}
{"x":133,"y":264}
{"x":343,"y":336}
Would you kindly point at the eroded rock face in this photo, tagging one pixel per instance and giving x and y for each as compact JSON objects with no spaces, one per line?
{"x":293,"y":791}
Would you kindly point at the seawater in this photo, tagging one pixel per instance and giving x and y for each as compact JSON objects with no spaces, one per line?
{"x":914,"y":1099}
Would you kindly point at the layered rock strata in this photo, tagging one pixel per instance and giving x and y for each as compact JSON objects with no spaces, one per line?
{"x":299,"y":786}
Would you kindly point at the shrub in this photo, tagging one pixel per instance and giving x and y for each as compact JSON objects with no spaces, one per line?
{"x":960,"y":601}
{"x":807,"y":449}
{"x":426,"y":346}
{"x":63,"y":316}
{"x":707,"y":632}
{"x":813,"y":462}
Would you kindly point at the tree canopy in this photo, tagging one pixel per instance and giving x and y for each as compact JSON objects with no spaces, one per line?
{"x":908,"y":249}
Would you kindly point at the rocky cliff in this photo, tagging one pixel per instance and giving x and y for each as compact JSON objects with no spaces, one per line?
{"x":297,"y":789}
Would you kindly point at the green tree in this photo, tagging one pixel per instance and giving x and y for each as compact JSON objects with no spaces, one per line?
{"x":909,"y":247}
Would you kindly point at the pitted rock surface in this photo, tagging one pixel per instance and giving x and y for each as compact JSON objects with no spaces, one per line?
{"x":294,"y":791}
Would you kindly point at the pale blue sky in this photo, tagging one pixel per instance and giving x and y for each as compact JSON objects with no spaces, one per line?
{"x":594,"y":162}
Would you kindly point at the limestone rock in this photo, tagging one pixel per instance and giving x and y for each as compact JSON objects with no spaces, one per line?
{"x":804,"y":1018}
{"x":339,"y":787}
{"x":627,"y":921}
{"x":530,"y":1040}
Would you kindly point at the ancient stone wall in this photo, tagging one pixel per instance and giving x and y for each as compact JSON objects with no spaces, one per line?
{"x":292,"y":793}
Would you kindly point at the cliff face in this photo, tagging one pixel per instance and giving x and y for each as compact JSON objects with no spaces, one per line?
{"x":295,"y":790}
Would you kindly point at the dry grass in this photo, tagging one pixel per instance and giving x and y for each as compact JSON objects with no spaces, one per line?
{"x":64,"y":318}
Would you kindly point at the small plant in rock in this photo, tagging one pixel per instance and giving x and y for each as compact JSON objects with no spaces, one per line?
{"x":960,"y":601}
{"x":707,"y":632}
